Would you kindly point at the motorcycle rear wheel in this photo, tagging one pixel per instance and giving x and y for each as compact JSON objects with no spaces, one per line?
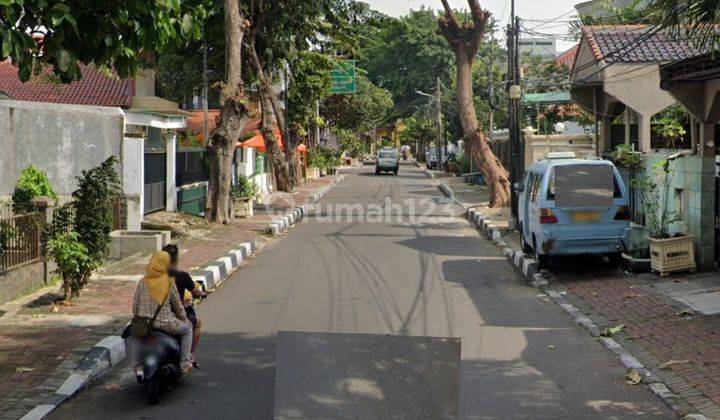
{"x":153,"y":387}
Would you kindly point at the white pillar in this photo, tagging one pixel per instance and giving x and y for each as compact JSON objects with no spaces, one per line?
{"x":133,"y":180}
{"x":170,"y":167}
{"x":644,"y":133}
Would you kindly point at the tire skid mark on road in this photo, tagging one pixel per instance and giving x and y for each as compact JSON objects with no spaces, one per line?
{"x":372,"y":287}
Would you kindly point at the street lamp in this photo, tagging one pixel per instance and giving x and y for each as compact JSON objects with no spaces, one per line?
{"x":438,"y":121}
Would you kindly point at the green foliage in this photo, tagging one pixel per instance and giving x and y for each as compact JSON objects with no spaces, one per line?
{"x":406,"y":54}
{"x":31,"y":183}
{"x":654,"y":192}
{"x":108,"y":34}
{"x":350,"y":142}
{"x":310,"y":82}
{"x":189,"y":139}
{"x":625,"y":157}
{"x":463,"y":163}
{"x":690,"y":20}
{"x":324,"y":158}
{"x":243,"y":188}
{"x":75,"y":262}
{"x":94,"y":202}
{"x":361,"y":111}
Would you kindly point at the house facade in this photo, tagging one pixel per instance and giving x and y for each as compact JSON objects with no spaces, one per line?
{"x":63,"y":129}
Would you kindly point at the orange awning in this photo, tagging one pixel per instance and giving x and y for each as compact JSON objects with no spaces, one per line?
{"x":258,"y":142}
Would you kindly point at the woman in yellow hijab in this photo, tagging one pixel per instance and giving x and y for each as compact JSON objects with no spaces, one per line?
{"x":158,"y":289}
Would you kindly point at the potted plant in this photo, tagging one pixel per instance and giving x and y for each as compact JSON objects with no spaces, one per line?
{"x":668,"y":253}
{"x":243,"y":193}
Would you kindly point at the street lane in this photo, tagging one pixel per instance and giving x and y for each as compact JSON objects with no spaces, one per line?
{"x":424,"y":273}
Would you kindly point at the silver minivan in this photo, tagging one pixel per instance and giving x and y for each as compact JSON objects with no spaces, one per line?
{"x":387,"y":161}
{"x":569,"y":206}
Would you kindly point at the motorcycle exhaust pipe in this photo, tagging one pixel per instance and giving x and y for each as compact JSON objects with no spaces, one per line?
{"x":170,"y":371}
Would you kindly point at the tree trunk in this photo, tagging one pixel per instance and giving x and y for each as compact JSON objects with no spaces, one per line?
{"x":276,"y":157}
{"x":271,"y":104}
{"x":465,"y":41}
{"x":494,"y":173}
{"x":295,"y":167}
{"x":232,"y":119}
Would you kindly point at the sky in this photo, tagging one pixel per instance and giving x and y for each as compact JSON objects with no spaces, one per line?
{"x":526,"y":9}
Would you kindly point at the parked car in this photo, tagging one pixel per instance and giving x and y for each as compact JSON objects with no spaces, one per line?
{"x":569,"y":206}
{"x":431,"y":161}
{"x":369,"y":159}
{"x":387,"y":161}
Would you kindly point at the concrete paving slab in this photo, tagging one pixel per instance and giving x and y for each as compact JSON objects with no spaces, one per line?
{"x":705,"y":303}
{"x":366,"y":376}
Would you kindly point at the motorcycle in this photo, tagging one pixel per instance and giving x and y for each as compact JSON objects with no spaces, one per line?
{"x":159,"y":367}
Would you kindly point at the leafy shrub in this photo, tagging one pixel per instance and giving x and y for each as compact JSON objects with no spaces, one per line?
{"x":75,"y":262}
{"x":243,"y":188}
{"x":31,"y":183}
{"x":78,"y":238}
{"x":94,"y":202}
{"x":625,"y":157}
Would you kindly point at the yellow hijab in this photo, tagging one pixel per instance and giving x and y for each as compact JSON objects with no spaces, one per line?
{"x":156,"y":277}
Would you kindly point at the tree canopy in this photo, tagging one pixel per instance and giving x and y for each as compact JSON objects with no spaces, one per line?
{"x":112,"y":33}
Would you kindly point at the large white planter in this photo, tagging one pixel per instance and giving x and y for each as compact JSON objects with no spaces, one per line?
{"x":243,"y":208}
{"x":672,"y":254}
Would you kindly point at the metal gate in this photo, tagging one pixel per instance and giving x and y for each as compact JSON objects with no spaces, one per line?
{"x":155,"y":173}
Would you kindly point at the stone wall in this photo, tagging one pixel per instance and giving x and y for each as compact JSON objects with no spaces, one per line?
{"x":61,"y":140}
{"x":19,"y":281}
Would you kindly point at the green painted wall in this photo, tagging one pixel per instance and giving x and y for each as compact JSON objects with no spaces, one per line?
{"x":692,"y":195}
{"x":192,"y":200}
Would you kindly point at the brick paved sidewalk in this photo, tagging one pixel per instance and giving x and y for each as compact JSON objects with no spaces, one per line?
{"x":681,"y":347}
{"x":42,"y":343}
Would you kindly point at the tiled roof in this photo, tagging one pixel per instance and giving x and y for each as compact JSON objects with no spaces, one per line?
{"x":637,"y":44}
{"x":568,"y":57}
{"x":196,"y":119}
{"x":95,"y":88}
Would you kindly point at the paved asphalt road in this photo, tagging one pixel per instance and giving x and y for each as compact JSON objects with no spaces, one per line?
{"x":409,"y":275}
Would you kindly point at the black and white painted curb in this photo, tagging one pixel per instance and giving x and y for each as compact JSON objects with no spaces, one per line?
{"x":282,"y":224}
{"x":104,"y":356}
{"x":317,"y":196}
{"x":527,"y":265}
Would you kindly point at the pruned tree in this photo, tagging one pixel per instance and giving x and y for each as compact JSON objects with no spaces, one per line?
{"x":233,"y":116}
{"x":465,"y":38}
{"x":269,"y":101}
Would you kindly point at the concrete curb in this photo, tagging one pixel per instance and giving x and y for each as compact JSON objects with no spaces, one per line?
{"x":314,"y":198}
{"x":112,"y":350}
{"x":527,"y":265}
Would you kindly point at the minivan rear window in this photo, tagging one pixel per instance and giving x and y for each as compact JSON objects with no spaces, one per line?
{"x":583,"y":186}
{"x":385,"y":154}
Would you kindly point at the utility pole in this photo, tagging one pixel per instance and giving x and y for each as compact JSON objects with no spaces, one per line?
{"x":438,"y":123}
{"x":517,"y":162}
{"x":206,"y":118}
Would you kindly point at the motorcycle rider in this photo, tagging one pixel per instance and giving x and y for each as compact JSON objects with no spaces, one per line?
{"x":187,"y":289}
{"x":156,"y":289}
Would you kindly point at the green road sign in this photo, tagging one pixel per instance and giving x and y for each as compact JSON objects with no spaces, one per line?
{"x":343,"y":77}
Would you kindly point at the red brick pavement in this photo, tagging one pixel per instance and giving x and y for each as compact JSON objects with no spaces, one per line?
{"x":688,"y":346}
{"x":41,"y":349}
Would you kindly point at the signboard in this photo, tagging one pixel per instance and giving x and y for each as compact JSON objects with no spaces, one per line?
{"x":343,"y":77}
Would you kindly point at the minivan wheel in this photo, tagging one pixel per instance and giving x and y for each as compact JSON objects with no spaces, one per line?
{"x":615,"y":259}
{"x":541,"y":259}
{"x":526,"y":248}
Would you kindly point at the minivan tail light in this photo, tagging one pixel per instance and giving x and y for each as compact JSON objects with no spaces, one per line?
{"x":623,"y":213}
{"x":547,"y":216}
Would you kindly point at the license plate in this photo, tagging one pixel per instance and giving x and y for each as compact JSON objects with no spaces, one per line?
{"x":586,"y":216}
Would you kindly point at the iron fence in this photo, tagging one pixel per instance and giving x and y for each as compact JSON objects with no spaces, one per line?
{"x":19,"y":240}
